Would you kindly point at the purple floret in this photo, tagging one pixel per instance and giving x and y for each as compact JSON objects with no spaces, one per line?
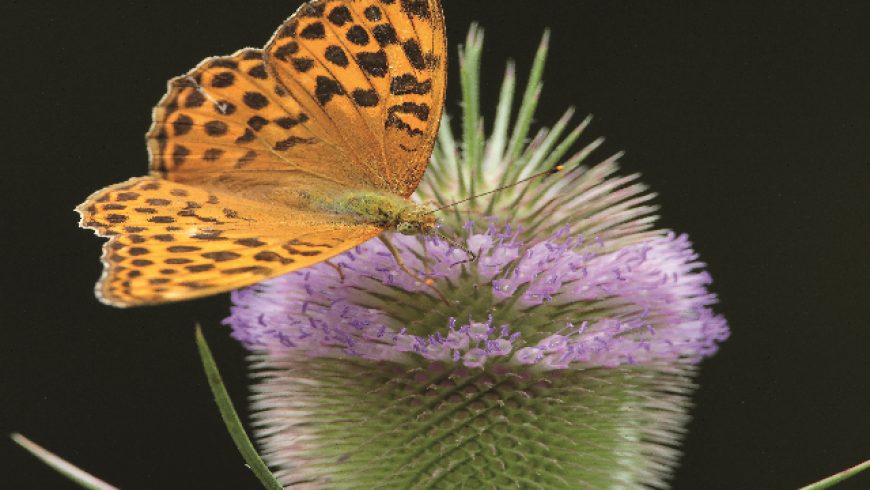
{"x":641,"y":303}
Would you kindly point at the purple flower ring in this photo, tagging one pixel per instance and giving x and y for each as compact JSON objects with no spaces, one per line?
{"x":561,"y":301}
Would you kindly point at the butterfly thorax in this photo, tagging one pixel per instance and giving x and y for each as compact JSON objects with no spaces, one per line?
{"x":385,"y":210}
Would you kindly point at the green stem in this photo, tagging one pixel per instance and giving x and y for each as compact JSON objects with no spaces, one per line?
{"x":838,"y":478}
{"x":65,"y":468}
{"x":231,"y":418}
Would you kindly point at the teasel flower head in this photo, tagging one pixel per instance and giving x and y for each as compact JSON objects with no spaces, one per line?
{"x":561,"y":357}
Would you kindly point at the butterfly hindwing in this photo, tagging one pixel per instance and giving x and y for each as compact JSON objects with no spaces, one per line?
{"x":170,"y":241}
{"x":374,"y":70}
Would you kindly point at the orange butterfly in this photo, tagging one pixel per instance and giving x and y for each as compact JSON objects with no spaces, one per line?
{"x":271,"y":160}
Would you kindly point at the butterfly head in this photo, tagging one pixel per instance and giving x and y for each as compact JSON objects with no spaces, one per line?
{"x":416,"y":219}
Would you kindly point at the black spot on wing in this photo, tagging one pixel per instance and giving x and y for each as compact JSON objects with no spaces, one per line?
{"x":182,"y":125}
{"x":432,"y":61}
{"x":200,"y":267}
{"x":178,"y":261}
{"x":326,"y":89}
{"x":246,"y":159}
{"x":179,"y":154}
{"x":285,"y":51}
{"x":373,"y":13}
{"x":394,"y":121}
{"x":290,"y":142}
{"x":116,"y":218}
{"x":257,"y":122}
{"x":414,"y":54}
{"x":366,"y":98}
{"x":385,"y":34}
{"x":249,"y":269}
{"x":309,"y":10}
{"x":223,"y":79}
{"x":302,"y":65}
{"x":250,"y":242}
{"x":171,"y":107}
{"x":419,"y":8}
{"x":290,"y":122}
{"x":336,"y":55}
{"x":289,"y":30}
{"x":409,"y":84}
{"x":247,"y":137}
{"x":194,"y":100}
{"x":259,"y":72}
{"x":420,"y":111}
{"x":374,"y":63}
{"x":216,"y":128}
{"x":313,"y":31}
{"x":255,"y":100}
{"x":224,"y":107}
{"x":181,"y":249}
{"x":221,"y":256}
{"x":357,"y":35}
{"x":127,"y":196}
{"x":340,"y":16}
{"x":209,"y":236}
{"x":224,"y":63}
{"x":212,"y":154}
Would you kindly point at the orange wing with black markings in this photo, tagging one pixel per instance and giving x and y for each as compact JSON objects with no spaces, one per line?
{"x":170,"y":241}
{"x":377,"y":71}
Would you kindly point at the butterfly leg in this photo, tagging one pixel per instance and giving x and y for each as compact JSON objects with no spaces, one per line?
{"x":337,"y":269}
{"x":455,"y":244}
{"x":401,"y":263}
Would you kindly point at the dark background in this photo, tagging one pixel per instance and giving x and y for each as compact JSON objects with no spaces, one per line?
{"x":751,"y":122}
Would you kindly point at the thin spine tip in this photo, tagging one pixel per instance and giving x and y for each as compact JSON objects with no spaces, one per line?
{"x":510,"y":70}
{"x":545,"y":39}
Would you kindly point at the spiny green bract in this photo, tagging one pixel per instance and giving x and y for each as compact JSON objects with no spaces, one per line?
{"x":435,"y":426}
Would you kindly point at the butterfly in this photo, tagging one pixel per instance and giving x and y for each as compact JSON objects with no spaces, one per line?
{"x":270,"y":160}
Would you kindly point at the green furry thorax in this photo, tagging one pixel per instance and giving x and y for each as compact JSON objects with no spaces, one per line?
{"x":386,"y":210}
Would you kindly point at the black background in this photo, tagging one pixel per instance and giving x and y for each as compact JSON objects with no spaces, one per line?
{"x":751,"y":122}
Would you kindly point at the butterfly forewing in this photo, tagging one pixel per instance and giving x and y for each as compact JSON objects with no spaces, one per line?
{"x":246,"y":149}
{"x":376,"y":70}
{"x":230,"y":118}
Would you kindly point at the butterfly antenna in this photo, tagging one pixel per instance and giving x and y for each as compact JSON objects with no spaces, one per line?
{"x":546,"y":173}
